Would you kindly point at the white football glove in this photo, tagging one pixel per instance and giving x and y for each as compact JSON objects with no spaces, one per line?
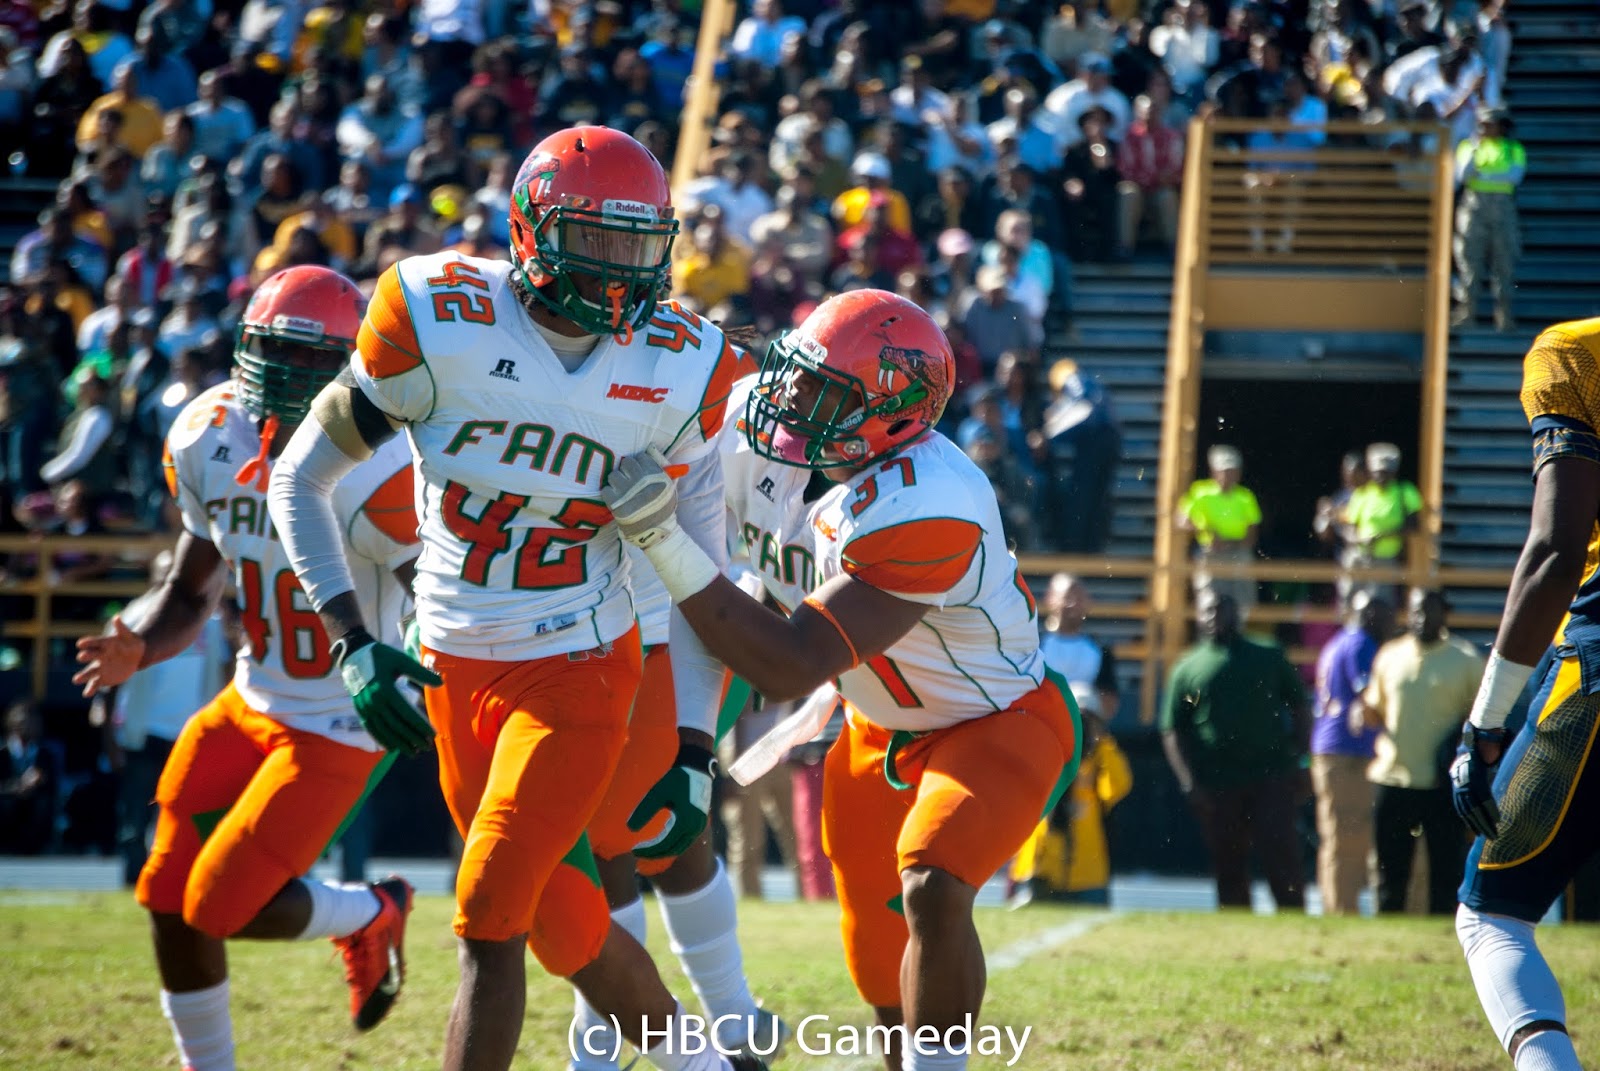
{"x":642,"y":498}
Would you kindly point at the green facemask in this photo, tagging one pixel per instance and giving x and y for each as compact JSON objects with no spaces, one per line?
{"x":631,"y":258}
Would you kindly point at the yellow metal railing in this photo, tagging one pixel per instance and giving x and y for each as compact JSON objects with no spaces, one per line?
{"x":1341,"y":237}
{"x":44,"y":588}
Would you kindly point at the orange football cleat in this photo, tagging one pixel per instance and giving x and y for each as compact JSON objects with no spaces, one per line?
{"x":374,"y":956}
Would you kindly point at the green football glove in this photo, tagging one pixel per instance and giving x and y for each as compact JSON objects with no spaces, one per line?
{"x":370,"y":670}
{"x":684,"y":792}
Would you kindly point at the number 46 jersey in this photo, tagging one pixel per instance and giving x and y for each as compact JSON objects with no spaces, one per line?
{"x":922,"y":526}
{"x":285,"y":669}
{"x":519,"y":559}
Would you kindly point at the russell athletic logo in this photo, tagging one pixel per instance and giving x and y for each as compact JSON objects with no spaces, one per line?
{"x":505,"y":369}
{"x":629,"y":393}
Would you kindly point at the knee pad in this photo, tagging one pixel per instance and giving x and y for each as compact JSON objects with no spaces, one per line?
{"x":1515,"y":985}
{"x":570,"y":923}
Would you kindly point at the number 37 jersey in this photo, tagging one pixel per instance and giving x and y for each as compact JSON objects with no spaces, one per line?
{"x":520,"y":559}
{"x":285,"y":669}
{"x":922,"y":526}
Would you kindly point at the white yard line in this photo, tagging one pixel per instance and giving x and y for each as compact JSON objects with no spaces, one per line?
{"x":1005,"y":958}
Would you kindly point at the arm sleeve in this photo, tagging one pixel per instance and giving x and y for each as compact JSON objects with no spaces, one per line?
{"x":696,"y":674}
{"x":388,"y":362}
{"x":88,"y":436}
{"x":301,"y":502}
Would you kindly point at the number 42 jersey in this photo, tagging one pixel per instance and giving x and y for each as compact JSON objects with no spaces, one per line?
{"x":922,"y":526}
{"x":285,"y":669}
{"x":519,"y":558}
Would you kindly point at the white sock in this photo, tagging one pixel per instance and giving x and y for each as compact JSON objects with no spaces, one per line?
{"x":1514,"y":982}
{"x":339,"y":910}
{"x":1548,"y":1050}
{"x":594,"y":1039}
{"x":704,"y":928}
{"x":202,"y":1027}
{"x":665,"y":1055}
{"x":932,"y":1058}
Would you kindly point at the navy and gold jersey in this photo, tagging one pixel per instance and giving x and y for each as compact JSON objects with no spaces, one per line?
{"x":1561,"y":397}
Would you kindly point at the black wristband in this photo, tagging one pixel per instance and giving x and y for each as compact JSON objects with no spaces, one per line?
{"x":349,"y":643}
{"x":697,"y":757}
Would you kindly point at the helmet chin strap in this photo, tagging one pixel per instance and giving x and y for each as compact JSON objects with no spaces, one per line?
{"x":614,"y":294}
{"x":259,"y":468}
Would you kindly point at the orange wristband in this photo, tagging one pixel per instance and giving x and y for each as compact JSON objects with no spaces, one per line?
{"x":855,"y":659}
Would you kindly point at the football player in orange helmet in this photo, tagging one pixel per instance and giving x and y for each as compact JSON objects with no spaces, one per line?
{"x":262,"y":779}
{"x":592,"y":230}
{"x":900,"y":584}
{"x":518,"y":385}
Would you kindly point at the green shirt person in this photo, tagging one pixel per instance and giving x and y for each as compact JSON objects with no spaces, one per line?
{"x":1221,"y":510}
{"x":1385,"y":509}
{"x":1235,"y":724}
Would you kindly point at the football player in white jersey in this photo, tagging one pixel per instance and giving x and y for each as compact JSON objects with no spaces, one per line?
{"x":260,"y":781}
{"x":519,"y":386}
{"x":900,"y":584}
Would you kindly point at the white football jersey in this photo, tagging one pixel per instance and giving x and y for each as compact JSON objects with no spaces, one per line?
{"x":922,"y":526}
{"x":519,"y":557}
{"x":285,"y":669}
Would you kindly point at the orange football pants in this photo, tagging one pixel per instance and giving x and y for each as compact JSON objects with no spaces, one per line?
{"x":526,"y":751}
{"x":977,"y":790}
{"x":646,"y":757}
{"x":277,"y":796}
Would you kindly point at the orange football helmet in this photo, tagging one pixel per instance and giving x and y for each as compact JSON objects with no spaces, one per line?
{"x":864,"y":375}
{"x":592,"y":228}
{"x":297,"y":333}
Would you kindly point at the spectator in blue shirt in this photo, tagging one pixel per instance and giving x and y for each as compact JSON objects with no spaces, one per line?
{"x":163,"y":76}
{"x":1340,"y":753}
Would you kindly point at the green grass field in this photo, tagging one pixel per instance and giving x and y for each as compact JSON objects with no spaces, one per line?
{"x":1148,"y":992}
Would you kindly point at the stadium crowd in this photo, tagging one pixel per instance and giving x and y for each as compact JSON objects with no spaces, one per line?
{"x":967,"y":153}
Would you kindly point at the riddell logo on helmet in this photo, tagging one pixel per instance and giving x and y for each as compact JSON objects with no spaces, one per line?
{"x":628,"y":209}
{"x":630,"y":393}
{"x":298,"y":325}
{"x":813,"y":349}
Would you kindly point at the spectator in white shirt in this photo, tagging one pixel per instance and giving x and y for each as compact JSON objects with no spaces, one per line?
{"x":815,"y":112}
{"x":1067,"y":103}
{"x":1186,"y":44}
{"x":956,"y":139}
{"x":734,"y":190}
{"x":1035,"y":272}
{"x":916,"y":102}
{"x":86,"y":434}
{"x":222,"y":124}
{"x":96,"y":328}
{"x":188,"y":325}
{"x":760,"y":36}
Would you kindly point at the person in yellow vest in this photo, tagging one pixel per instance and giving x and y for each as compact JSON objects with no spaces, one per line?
{"x":1225,"y":519}
{"x":1380,"y":513}
{"x":1067,"y":858}
{"x":1489,"y":167}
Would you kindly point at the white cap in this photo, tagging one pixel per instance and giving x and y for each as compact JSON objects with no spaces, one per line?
{"x":1225,"y":457}
{"x":871,"y":165}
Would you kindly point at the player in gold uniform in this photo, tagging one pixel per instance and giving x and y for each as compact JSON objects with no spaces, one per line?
{"x":1532,"y":801}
